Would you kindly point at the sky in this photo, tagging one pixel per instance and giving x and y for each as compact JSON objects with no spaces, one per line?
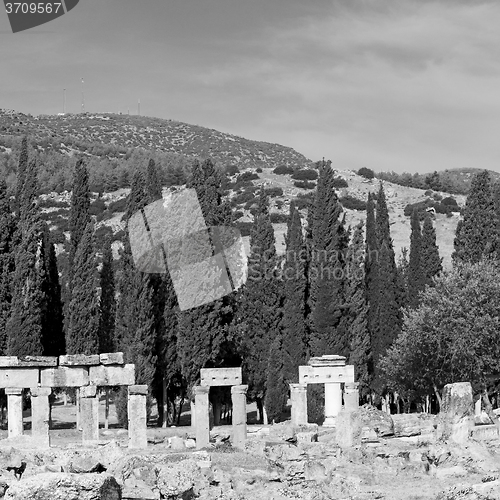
{"x":403,"y":85}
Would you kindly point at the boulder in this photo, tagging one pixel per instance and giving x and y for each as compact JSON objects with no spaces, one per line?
{"x":413,"y":424}
{"x":65,"y":486}
{"x":176,"y":443}
{"x":84,"y":465}
{"x":353,"y":425}
{"x":135,"y":489}
{"x":179,"y":480}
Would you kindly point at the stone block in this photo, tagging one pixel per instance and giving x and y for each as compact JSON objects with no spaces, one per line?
{"x":65,"y":376}
{"x":202,"y":419}
{"x":79,"y":360}
{"x":19,"y":377}
{"x":89,"y":411}
{"x":41,"y":391}
{"x":457,"y":401}
{"x":327,"y":360}
{"x":88,"y":391}
{"x":326,"y":374}
{"x":485,"y":432}
{"x":111,"y":375}
{"x":111,"y":358}
{"x":220,"y":376}
{"x":137,"y":421}
{"x":27,"y":361}
{"x":138,"y":389}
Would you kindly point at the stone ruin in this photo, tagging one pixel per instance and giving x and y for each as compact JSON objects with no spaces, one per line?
{"x":41,"y":374}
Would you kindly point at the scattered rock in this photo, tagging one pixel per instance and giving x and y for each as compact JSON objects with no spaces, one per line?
{"x":85,"y":465}
{"x":176,"y":443}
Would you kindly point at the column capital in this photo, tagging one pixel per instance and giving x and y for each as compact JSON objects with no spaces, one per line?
{"x":40,"y":391}
{"x":298,"y":387}
{"x":13,"y":391}
{"x":239,"y":389}
{"x":201,"y":389}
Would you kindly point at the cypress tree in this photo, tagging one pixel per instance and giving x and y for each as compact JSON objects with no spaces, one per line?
{"x":153,"y":184}
{"x":259,"y":309}
{"x":432,"y":262}
{"x":79,"y":215}
{"x":477,"y":233}
{"x":7,"y":232}
{"x":53,"y":339}
{"x":356,"y":302}
{"x":107,"y":300}
{"x":276,"y":387}
{"x":24,"y":327}
{"x":294,"y":298}
{"x":326,"y":270}
{"x":82,"y":336}
{"x":21,"y":170}
{"x":371,"y":264}
{"x":137,"y":198}
{"x":416,"y":278}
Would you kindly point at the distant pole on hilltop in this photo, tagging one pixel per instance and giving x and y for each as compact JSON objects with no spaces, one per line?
{"x":83,"y":98}
{"x":64,"y":101}
{"x":139,"y":107}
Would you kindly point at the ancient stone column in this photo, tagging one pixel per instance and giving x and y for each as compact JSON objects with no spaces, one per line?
{"x":137,"y":416}
{"x":298,"y":395}
{"x":15,"y":411}
{"x":477,"y":407}
{"x":89,"y":414}
{"x":239,"y":399}
{"x":201,"y":415}
{"x":351,"y":396}
{"x":333,"y":403}
{"x":40,"y":415}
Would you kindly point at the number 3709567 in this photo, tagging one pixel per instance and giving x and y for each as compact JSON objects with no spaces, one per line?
{"x":32,"y":8}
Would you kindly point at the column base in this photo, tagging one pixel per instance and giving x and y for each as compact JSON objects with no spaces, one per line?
{"x":330,"y":422}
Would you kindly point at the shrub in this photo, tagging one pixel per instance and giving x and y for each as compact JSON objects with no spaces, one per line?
{"x":367,"y":173}
{"x":244,"y":197}
{"x":339,"y":182}
{"x":238,"y":214}
{"x":304,"y":184}
{"x":258,"y":170}
{"x":244,"y":227}
{"x":428,"y":192}
{"x":97,"y":207}
{"x":247,"y":176}
{"x":232,"y":170}
{"x":279,"y":204}
{"x":437,"y":196}
{"x":283,"y":170}
{"x":118,"y":206}
{"x":449,"y":201}
{"x":352,"y":203}
{"x":278,"y":218}
{"x":305,"y":174}
{"x":274,"y":192}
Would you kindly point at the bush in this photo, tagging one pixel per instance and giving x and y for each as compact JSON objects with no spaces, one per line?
{"x":258,"y":170}
{"x":237,"y":214}
{"x":428,"y":192}
{"x":247,"y":176}
{"x":283,"y":170}
{"x":437,"y":196}
{"x":97,"y":207}
{"x":305,"y":175}
{"x":232,"y":170}
{"x":118,"y":206}
{"x":278,"y":218}
{"x":304,"y":184}
{"x":244,"y":227}
{"x":352,"y":203}
{"x":339,"y":182}
{"x":450,"y":201}
{"x":274,"y":192}
{"x":367,"y":173}
{"x":279,"y":204}
{"x":244,"y":197}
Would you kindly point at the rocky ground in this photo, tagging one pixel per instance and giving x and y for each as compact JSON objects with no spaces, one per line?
{"x":397,"y":458}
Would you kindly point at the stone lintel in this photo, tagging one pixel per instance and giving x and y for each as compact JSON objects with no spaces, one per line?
{"x":220,"y":376}
{"x":327,"y":360}
{"x":19,"y":377}
{"x":65,"y":376}
{"x":79,"y":360}
{"x":111,"y":358}
{"x":27,"y":361}
{"x":41,"y":391}
{"x":112,"y":375}
{"x":326,"y":374}
{"x":138,"y":389}
{"x":13,"y":391}
{"x":88,"y":391}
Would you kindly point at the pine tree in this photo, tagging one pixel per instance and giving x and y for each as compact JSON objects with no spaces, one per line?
{"x":53,"y":340}
{"x":24,"y":327}
{"x":21,"y":170}
{"x":276,"y":387}
{"x":329,"y":244}
{"x":477,"y":234}
{"x":432,"y":262}
{"x":259,"y":311}
{"x":294,"y":298}
{"x":107,"y":301}
{"x":416,"y":277}
{"x":402,"y":276}
{"x":79,"y":215}
{"x":7,"y":233}
{"x":357,"y":324}
{"x":82,"y":336}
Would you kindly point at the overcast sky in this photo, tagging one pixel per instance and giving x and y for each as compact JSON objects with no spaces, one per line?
{"x":405,"y":85}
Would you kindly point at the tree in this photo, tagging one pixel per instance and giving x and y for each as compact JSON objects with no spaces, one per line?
{"x":82,"y":336}
{"x":294,"y":298}
{"x":276,"y":387}
{"x":153,"y":184}
{"x":137,"y":199}
{"x":416,"y":276}
{"x":53,"y":339}
{"x":259,"y":313}
{"x":431,"y":261}
{"x":21,"y":170}
{"x":24,"y":327}
{"x":453,"y":335}
{"x":357,"y":317}
{"x":326,"y":270}
{"x":7,"y":241}
{"x":107,"y":301}
{"x":477,"y":234}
